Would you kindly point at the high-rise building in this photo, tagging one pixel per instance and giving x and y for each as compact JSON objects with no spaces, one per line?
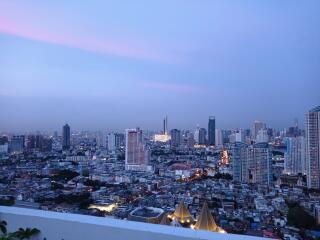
{"x":112,"y":142}
{"x":137,"y":153}
{"x":175,"y":137}
{"x":252,"y":164}
{"x":211,"y":131}
{"x":256,"y":126}
{"x":66,"y":137}
{"x":196,"y":134}
{"x":312,"y":129}
{"x":101,"y":139}
{"x":119,"y":138}
{"x":240,"y":136}
{"x":262,"y":136}
{"x":219,"y":138}
{"x":17,"y":143}
{"x":4,"y":146}
{"x":202,"y":136}
{"x":294,"y":157}
{"x":239,"y":159}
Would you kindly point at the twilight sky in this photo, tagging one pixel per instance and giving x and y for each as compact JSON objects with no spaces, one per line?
{"x":120,"y":64}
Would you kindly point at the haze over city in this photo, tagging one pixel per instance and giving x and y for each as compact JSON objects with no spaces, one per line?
{"x":103,"y":65}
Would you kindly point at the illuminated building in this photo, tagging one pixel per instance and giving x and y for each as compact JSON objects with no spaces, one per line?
{"x":161,"y":138}
{"x":225,"y":157}
{"x":107,"y":208}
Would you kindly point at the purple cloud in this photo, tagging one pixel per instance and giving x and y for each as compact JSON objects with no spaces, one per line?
{"x":87,"y":42}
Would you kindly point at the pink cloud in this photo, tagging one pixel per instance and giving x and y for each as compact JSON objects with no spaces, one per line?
{"x":171,"y":87}
{"x":83,"y":41}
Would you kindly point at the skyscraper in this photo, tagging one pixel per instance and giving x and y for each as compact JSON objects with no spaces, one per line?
{"x":211,"y":131}
{"x":218,"y":137}
{"x":312,"y":128}
{"x":256,"y":127}
{"x":202,"y":136}
{"x":175,"y":137}
{"x":111,"y":141}
{"x":294,"y":157}
{"x":239,"y":158}
{"x":66,"y":137}
{"x":165,"y":125}
{"x":137,"y":154}
{"x":252,"y":164}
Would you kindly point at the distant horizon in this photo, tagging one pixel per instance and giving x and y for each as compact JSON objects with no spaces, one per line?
{"x":159,"y":129}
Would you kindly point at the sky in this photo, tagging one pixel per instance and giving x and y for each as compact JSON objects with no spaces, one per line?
{"x":121,"y":64}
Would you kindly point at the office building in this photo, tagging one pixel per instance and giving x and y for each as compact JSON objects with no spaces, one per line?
{"x":312,"y":129}
{"x":175,"y":137}
{"x":137,"y":156}
{"x":211,"y":131}
{"x":66,"y":137}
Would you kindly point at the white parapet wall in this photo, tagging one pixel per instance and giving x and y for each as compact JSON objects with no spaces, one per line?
{"x":66,"y":226}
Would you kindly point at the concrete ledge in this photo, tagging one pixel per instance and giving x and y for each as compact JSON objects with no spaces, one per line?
{"x":66,"y":226}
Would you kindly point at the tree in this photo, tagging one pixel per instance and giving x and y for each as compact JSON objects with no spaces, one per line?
{"x":26,"y":233}
{"x":3,"y":227}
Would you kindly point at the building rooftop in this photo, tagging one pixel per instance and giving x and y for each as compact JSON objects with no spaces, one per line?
{"x":315,"y":109}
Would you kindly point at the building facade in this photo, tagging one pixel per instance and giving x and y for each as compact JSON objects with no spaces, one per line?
{"x":312,"y":129}
{"x":66,"y":137}
{"x":137,"y":156}
{"x":211,"y":131}
{"x":294,"y":156}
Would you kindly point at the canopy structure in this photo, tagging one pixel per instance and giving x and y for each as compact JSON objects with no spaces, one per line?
{"x":205,"y":221}
{"x":182,"y":214}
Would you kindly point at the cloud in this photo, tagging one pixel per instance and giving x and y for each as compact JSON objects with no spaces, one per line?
{"x":83,"y":41}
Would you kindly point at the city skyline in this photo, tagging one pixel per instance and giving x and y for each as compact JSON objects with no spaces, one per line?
{"x":103,"y":66}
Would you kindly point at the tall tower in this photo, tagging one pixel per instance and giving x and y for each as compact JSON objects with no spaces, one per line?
{"x":165,"y":125}
{"x":212,"y":131}
{"x":66,"y":137}
{"x":294,"y":156}
{"x":312,"y":128}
